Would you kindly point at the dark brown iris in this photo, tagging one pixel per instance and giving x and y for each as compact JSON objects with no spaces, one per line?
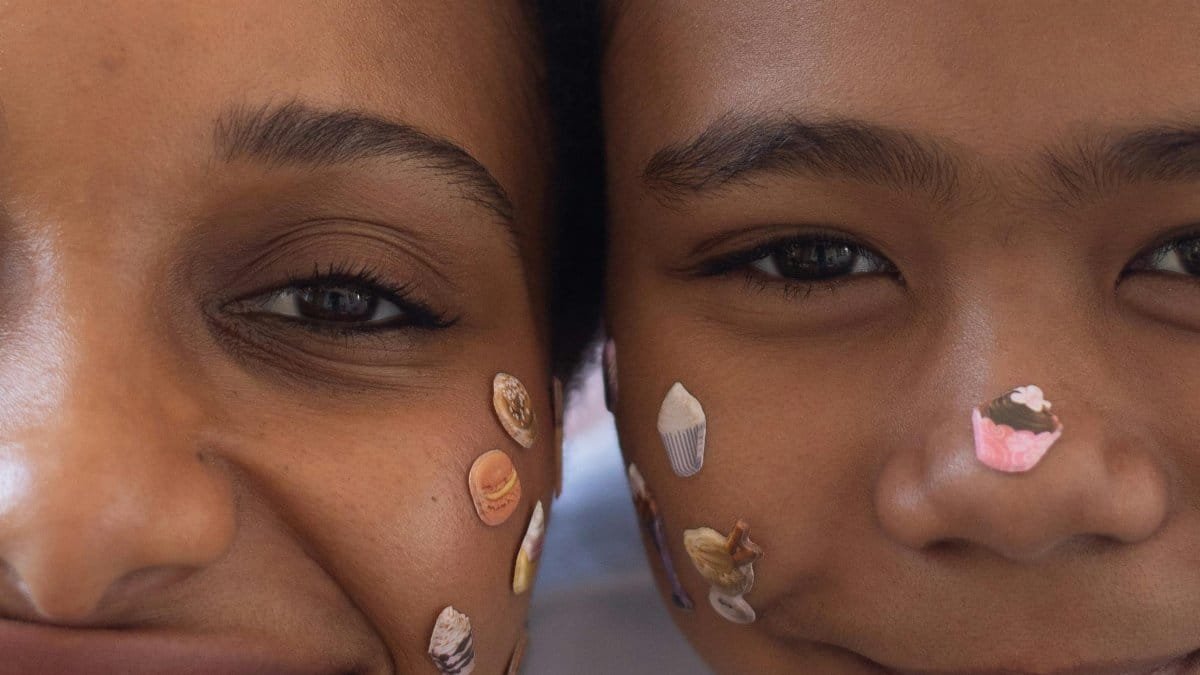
{"x":336,"y":303}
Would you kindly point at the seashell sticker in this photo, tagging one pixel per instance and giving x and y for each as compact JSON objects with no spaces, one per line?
{"x":1014,"y":431}
{"x":513,"y":408}
{"x":518,"y":655}
{"x":608,"y":366}
{"x":727,"y":564}
{"x":556,"y":398}
{"x":683,"y":429}
{"x":495,"y":487}
{"x":732,"y":608}
{"x":531,"y":550}
{"x":451,"y":646}
{"x":651,"y":521}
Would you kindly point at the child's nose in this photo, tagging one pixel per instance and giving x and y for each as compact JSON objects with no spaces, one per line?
{"x":1100,"y":483}
{"x":106,"y":495}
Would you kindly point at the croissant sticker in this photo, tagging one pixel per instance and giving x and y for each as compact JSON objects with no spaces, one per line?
{"x":727,"y":564}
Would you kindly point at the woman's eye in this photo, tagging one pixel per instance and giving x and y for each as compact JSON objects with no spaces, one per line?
{"x":344,"y":302}
{"x":1181,"y":256}
{"x":816,"y":260}
{"x":331,"y":304}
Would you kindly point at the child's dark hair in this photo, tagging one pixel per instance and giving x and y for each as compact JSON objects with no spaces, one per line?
{"x":571,"y":39}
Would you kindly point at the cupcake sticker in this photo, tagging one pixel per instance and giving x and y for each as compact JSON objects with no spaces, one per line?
{"x":1014,"y":431}
{"x":727,"y":564}
{"x":683,"y":429}
{"x":451,"y":646}
{"x":651,"y":521}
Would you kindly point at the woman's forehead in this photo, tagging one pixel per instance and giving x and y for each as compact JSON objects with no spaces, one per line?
{"x":128,"y":84}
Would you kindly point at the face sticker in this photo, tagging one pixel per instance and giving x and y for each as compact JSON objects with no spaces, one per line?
{"x":451,"y":646}
{"x":608,"y":364}
{"x":683,"y":429}
{"x":495,"y":487}
{"x":733,"y":608}
{"x":513,"y":409}
{"x":651,"y":521}
{"x":531,"y":549}
{"x":514,"y":664}
{"x":556,"y":397}
{"x":1013,"y":432}
{"x":727,"y":563}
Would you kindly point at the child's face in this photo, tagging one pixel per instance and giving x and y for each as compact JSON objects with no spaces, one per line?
{"x":842,"y":227}
{"x":259,"y":263}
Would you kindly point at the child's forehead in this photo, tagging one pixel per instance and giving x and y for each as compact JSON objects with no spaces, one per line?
{"x":988,"y":75}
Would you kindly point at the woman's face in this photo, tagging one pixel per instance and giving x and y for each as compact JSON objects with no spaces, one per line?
{"x":258,"y":266}
{"x":842,"y":227}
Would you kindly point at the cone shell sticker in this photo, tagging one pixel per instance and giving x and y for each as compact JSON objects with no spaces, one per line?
{"x":513,"y":409}
{"x":531,"y":549}
{"x":651,"y":521}
{"x":608,"y":366}
{"x":518,"y":655}
{"x":451,"y":646}
{"x":683,"y":429}
{"x":495,"y":487}
{"x":727,"y":564}
{"x":556,"y":398}
{"x":1014,"y":432}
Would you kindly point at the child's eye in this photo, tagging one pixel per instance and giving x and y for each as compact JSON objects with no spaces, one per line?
{"x":802,"y":259}
{"x":1181,"y":256}
{"x":818,"y":260}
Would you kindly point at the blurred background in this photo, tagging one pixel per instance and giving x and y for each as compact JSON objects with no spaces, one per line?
{"x":595,"y":606}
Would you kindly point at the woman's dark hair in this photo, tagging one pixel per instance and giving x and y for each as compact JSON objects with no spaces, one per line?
{"x":571,"y":41}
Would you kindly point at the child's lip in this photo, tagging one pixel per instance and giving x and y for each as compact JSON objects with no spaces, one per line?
{"x":1186,"y":664}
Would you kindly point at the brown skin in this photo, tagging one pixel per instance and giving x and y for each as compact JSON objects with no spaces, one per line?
{"x":839,"y":414}
{"x":169,"y":463}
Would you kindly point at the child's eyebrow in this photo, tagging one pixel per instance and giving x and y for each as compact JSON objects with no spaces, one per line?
{"x":297,"y":134}
{"x":736,"y":148}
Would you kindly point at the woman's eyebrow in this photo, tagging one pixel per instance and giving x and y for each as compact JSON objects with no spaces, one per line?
{"x":298,"y":134}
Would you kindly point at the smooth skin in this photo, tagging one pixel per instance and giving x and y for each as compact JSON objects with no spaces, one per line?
{"x":186,"y":446}
{"x":994,"y":189}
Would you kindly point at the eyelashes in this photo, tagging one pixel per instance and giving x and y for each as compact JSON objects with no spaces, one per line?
{"x":801,"y":263}
{"x":1180,"y":256}
{"x":343,"y":301}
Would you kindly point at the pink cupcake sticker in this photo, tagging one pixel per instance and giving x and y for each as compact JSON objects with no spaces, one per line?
{"x":1014,"y":431}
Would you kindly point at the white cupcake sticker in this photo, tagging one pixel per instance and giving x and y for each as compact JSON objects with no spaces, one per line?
{"x":683,"y":429}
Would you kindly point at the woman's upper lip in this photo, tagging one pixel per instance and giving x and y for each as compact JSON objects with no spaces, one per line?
{"x":31,"y":649}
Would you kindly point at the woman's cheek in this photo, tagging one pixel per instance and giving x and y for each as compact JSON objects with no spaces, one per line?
{"x":384,"y":503}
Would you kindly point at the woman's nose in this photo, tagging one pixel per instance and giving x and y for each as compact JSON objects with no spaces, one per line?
{"x":108,"y":494}
{"x":1099,"y":482}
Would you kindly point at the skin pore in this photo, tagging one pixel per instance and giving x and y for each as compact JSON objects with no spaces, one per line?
{"x":259,"y":263}
{"x":842,"y":225}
